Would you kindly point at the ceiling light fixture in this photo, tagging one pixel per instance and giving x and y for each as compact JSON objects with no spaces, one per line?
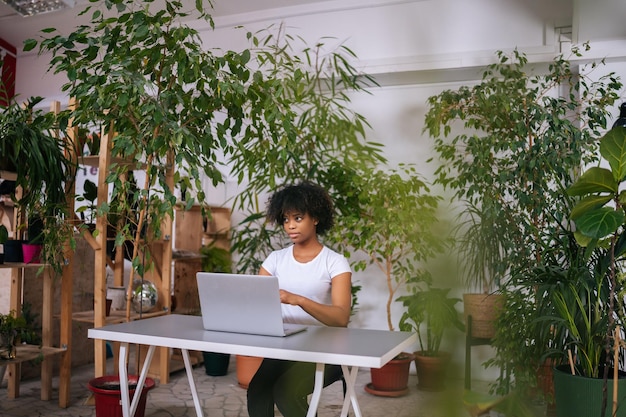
{"x":34,"y":7}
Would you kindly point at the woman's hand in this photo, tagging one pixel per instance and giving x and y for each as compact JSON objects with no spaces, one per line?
{"x":287,"y":297}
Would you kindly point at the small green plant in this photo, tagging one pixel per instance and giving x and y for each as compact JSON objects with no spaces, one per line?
{"x":216,"y":259}
{"x":90,"y":194}
{"x":429,"y":313}
{"x":21,"y":327}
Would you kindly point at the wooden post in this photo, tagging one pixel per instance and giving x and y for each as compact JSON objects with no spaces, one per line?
{"x":100,"y":260}
{"x":67,"y":277}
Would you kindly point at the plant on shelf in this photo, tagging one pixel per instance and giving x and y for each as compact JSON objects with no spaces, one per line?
{"x":506,"y":148}
{"x":32,"y":149}
{"x":430,"y":312}
{"x":88,"y":211}
{"x":14,"y":330}
{"x":90,"y":138}
{"x":216,"y":259}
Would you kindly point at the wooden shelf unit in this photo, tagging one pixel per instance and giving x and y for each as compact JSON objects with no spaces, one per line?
{"x":161,"y":252}
{"x":47,"y":349}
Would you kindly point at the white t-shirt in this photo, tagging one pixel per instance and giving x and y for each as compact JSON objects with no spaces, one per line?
{"x":310,"y":279}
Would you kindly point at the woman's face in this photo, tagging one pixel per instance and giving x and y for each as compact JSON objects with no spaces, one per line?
{"x":300,"y":227}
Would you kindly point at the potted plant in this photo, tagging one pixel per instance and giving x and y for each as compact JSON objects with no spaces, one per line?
{"x":33,"y":150}
{"x":394,"y":224}
{"x":335,"y":145}
{"x":14,"y":329}
{"x":593,"y":317}
{"x":481,"y":243}
{"x":501,"y":152}
{"x":430,"y":312}
{"x":88,"y":211}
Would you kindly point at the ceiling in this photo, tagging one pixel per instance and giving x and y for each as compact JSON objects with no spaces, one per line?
{"x":597,"y":20}
{"x":15,"y":28}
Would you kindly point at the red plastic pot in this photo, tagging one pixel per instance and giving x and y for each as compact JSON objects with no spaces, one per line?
{"x":108,"y":395}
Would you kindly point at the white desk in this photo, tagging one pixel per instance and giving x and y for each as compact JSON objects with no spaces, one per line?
{"x":350,"y":348}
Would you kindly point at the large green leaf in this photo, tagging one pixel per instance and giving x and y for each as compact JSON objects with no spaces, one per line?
{"x":594,"y":180}
{"x":589,"y":203}
{"x":613,"y":149}
{"x":600,"y":223}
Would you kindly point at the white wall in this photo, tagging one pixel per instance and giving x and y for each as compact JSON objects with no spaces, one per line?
{"x":416,"y":49}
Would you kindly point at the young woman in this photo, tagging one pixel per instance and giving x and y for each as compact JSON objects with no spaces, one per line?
{"x":315,"y":289}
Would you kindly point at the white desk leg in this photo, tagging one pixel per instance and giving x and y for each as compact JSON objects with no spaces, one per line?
{"x":317,"y":390}
{"x":142,"y":379}
{"x":350,"y":376}
{"x":128,"y":409}
{"x":192,"y":384}
{"x":123,"y":355}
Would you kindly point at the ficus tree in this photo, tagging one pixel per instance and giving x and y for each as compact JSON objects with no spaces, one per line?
{"x":507,"y":147}
{"x":394,"y":222}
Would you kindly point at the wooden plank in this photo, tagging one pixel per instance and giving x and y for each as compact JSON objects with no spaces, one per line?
{"x":189,"y":229}
{"x":186,"y":287}
{"x":46,"y":334}
{"x":26,"y":353}
{"x":116,"y":316}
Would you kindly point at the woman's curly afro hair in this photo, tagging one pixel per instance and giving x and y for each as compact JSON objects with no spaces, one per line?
{"x":306,"y":198}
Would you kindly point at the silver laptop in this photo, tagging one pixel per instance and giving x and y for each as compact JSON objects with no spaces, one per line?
{"x":241,"y":303}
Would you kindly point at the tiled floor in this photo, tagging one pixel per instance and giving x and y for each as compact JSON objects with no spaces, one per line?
{"x":222,"y":397}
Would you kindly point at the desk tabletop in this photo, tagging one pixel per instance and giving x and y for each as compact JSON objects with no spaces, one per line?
{"x":330,"y":345}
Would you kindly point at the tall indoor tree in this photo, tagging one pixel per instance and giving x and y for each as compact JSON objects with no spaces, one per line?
{"x":507,"y":149}
{"x":318,"y":137}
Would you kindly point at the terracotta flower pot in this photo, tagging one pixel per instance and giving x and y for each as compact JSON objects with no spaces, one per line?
{"x":246,"y":368}
{"x":432,"y":371}
{"x":393,"y":378}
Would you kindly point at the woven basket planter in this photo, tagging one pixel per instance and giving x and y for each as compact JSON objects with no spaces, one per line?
{"x":484,"y":309}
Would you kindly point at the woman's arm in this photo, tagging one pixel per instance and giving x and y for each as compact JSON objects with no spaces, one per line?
{"x":337,"y":314}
